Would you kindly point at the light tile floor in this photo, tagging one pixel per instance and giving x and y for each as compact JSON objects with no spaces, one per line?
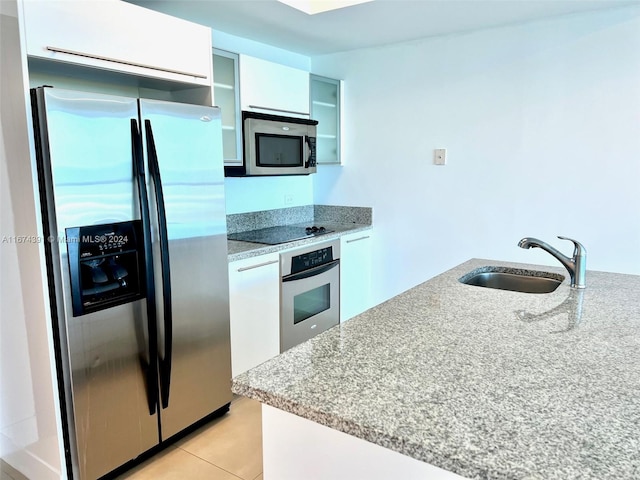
{"x":228,"y":448}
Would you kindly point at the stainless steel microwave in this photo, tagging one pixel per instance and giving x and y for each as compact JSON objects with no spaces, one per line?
{"x":276,"y":145}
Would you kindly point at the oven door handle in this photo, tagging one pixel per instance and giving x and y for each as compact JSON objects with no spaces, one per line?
{"x":312,"y":272}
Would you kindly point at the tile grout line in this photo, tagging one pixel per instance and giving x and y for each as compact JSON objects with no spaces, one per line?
{"x":217,"y":466}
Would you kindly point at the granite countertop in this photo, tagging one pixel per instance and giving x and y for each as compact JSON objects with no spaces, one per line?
{"x":240,"y":250}
{"x":485,"y":383}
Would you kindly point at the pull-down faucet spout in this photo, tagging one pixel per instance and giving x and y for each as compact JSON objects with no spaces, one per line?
{"x":576,"y":265}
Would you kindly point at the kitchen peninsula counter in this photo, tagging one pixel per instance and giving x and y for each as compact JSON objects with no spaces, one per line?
{"x":484,"y":383}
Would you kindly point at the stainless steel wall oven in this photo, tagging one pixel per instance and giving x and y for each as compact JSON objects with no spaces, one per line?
{"x":309,"y":293}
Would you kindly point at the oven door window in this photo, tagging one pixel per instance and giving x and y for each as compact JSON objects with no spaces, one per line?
{"x":310,"y":303}
{"x":279,"y":150}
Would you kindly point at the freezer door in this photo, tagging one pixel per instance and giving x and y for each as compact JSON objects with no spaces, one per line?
{"x":84,"y":152}
{"x":190,"y":243}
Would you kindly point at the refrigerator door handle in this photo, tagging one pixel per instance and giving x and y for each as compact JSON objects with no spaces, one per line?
{"x":154,"y":172}
{"x":150,"y":365}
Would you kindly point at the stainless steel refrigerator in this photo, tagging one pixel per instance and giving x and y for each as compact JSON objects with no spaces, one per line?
{"x":133,"y":208}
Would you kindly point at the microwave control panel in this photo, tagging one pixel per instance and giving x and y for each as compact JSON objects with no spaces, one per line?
{"x":311,"y":141}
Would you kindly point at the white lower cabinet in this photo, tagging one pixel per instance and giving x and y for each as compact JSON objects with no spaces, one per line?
{"x":254,"y":303}
{"x":355,"y":274}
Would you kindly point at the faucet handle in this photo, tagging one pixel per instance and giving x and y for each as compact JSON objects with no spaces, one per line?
{"x":578,"y":248}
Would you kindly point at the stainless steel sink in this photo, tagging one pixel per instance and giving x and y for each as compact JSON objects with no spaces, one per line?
{"x":525,"y":281}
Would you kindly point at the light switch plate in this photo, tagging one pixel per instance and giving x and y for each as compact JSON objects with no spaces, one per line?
{"x":440,"y":156}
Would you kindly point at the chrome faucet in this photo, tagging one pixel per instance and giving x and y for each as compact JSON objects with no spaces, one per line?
{"x":576,"y":265}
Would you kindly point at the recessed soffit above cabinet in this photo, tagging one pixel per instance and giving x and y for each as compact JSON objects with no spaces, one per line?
{"x":367,"y":25}
{"x":312,"y":7}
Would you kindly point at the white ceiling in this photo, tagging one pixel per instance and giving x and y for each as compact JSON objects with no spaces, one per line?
{"x":371,"y":24}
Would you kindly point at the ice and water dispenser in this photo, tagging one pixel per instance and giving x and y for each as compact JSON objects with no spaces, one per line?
{"x":106,"y":265}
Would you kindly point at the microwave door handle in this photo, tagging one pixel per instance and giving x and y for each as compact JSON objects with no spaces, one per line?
{"x":165,"y":362}
{"x":312,"y":272}
{"x":305,"y":152}
{"x":150,"y":366}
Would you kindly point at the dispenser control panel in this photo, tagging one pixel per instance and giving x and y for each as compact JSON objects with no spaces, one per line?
{"x":106,"y":265}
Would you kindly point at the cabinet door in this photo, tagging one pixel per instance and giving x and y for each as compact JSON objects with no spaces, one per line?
{"x":119,"y":36}
{"x":254,"y":302}
{"x":325,"y":108}
{"x":227,"y":97}
{"x":355,"y":274}
{"x":273,"y":88}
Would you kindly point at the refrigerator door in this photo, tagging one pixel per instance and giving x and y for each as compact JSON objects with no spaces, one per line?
{"x":84,"y":151}
{"x":184,"y":142}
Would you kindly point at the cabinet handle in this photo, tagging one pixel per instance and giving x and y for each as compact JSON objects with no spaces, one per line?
{"x":279,"y":110}
{"x":113,"y":60}
{"x":358,"y":239}
{"x":242,"y":269}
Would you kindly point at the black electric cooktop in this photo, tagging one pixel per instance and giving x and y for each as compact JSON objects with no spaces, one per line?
{"x":279,"y":234}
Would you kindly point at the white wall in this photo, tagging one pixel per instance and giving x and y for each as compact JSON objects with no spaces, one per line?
{"x":542,"y":127}
{"x":252,"y":194}
{"x":264,"y":193}
{"x":30,"y":435}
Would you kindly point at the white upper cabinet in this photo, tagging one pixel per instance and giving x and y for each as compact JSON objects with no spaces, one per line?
{"x":273,"y":88}
{"x":227,"y":97}
{"x":118,"y":36}
{"x":325,"y":103}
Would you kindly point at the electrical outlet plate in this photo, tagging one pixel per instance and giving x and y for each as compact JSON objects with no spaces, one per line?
{"x":440,"y":156}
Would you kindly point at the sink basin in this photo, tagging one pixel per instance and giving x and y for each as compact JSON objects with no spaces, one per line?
{"x":515,"y":280}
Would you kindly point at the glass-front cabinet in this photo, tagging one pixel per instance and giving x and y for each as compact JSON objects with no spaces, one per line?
{"x":325,"y":108}
{"x":227,"y":96}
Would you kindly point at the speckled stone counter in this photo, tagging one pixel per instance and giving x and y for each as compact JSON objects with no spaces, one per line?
{"x":485,"y":383}
{"x":342,"y":220}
